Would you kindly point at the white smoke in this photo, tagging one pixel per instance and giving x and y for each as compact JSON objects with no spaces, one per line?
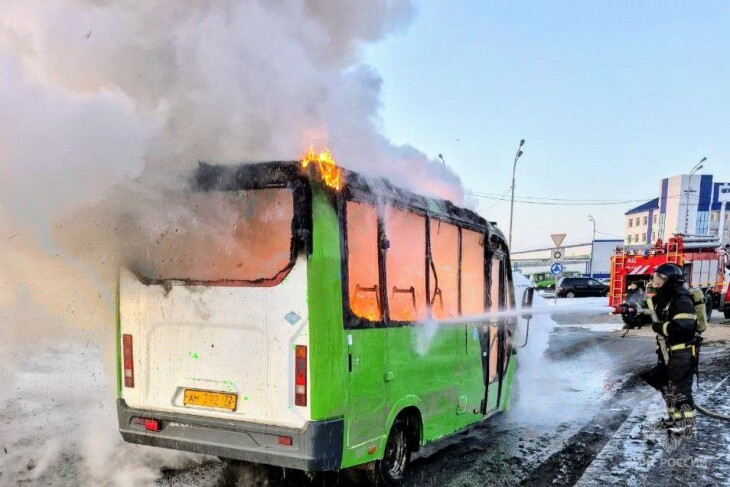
{"x":108,"y":104}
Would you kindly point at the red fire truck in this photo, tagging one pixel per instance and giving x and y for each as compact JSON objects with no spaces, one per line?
{"x":704,"y":260}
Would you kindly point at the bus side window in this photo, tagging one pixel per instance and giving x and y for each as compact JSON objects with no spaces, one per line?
{"x":444,"y":299}
{"x":472,"y":272}
{"x":405,"y":268}
{"x":362,"y":261}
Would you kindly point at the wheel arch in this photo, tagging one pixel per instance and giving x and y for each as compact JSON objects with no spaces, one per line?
{"x":409,"y":408}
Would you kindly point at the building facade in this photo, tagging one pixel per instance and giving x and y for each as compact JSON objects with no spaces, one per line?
{"x":686,"y":205}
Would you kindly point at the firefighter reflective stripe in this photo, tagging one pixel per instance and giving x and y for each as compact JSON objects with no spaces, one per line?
{"x":681,"y":346}
{"x":650,"y":304}
{"x":665,"y":332}
{"x":685,"y":316}
{"x":682,"y":414}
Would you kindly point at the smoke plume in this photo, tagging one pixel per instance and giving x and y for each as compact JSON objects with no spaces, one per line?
{"x":108,"y":105}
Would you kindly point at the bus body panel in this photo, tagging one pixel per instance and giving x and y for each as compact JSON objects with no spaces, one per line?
{"x":429,"y":367}
{"x":328,"y":356}
{"x":227,"y":339}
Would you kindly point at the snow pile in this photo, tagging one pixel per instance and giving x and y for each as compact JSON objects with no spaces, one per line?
{"x":553,"y":391}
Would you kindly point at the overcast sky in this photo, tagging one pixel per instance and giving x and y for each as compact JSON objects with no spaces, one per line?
{"x":610,"y":97}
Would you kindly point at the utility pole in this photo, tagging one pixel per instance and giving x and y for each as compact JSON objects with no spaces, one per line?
{"x":590,"y":218}
{"x":696,"y":168}
{"x":512,"y":204}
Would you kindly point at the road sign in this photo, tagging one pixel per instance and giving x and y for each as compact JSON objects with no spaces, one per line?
{"x":558,"y":254}
{"x":558,"y":238}
{"x":556,"y":269}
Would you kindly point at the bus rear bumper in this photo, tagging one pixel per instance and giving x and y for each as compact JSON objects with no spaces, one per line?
{"x":315,"y":447}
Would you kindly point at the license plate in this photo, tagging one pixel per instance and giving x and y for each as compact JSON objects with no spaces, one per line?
{"x":210,"y":399}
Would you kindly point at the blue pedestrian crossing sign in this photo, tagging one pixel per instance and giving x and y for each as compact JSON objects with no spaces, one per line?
{"x":557,"y":269}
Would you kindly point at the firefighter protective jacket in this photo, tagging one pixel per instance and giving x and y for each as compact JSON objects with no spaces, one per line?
{"x":677,"y":318}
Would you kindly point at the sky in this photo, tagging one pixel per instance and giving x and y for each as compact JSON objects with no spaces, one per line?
{"x":610,"y":97}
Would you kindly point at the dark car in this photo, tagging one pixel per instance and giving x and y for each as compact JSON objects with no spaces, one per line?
{"x":571,"y":287}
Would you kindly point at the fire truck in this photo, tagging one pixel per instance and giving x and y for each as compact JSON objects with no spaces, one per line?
{"x":705,"y":261}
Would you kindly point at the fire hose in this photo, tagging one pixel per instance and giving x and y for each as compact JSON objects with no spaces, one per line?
{"x":635,"y":311}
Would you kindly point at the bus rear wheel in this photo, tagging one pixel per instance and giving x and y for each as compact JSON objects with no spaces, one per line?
{"x":391,"y":470}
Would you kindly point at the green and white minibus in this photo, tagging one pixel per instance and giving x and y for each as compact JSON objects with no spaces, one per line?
{"x":293,"y":324}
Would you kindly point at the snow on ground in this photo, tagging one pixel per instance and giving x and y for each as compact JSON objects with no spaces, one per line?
{"x":59,"y":427}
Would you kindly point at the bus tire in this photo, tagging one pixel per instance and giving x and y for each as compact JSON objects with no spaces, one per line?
{"x":391,"y":470}
{"x":727,"y":312}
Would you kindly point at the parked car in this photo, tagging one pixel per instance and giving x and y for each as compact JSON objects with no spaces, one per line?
{"x":606,"y":281}
{"x":571,"y":287}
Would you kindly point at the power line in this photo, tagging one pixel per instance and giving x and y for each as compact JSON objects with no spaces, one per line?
{"x":501,"y":198}
{"x":575,"y":200}
{"x":551,"y":203}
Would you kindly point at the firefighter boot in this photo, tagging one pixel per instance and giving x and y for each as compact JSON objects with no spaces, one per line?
{"x":669,"y":421}
{"x":684,"y":421}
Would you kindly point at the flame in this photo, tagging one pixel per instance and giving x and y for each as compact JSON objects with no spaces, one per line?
{"x":325,"y":164}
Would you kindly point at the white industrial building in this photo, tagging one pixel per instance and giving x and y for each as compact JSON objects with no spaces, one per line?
{"x":690,"y":205}
{"x":586,"y":259}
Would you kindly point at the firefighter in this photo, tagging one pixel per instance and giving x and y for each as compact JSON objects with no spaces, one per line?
{"x":675,"y":323}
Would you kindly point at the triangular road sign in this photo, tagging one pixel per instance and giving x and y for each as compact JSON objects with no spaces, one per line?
{"x":558,"y":238}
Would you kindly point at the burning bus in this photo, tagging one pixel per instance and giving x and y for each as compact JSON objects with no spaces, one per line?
{"x":286,"y":333}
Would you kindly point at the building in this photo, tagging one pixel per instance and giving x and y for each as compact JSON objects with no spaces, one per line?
{"x":581,"y":258}
{"x":693,"y":205}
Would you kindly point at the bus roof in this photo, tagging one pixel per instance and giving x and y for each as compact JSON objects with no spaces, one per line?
{"x":210,"y":177}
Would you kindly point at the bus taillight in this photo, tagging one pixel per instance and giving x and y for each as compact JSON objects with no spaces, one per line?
{"x":128,"y":358}
{"x":300,"y":375}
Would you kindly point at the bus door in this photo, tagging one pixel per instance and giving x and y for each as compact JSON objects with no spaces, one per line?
{"x":366,"y":334}
{"x":473,"y":302}
{"x":493,"y":340}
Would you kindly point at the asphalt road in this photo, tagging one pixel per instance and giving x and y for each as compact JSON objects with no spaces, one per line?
{"x":595,"y":424}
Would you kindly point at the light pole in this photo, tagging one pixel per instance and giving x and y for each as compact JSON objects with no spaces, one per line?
{"x":591,"y":219}
{"x":696,"y":168}
{"x":512,"y":204}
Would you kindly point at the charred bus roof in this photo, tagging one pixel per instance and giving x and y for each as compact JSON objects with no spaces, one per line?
{"x":216,"y":177}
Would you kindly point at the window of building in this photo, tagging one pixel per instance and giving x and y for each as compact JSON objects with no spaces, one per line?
{"x":643,"y":238}
{"x":628,"y":239}
{"x":444,"y":282}
{"x":405,"y":264}
{"x":653,"y":237}
{"x":631,"y":222}
{"x":636,"y":238}
{"x":646,"y":220}
{"x":362,"y":261}
{"x":472,"y":272}
{"x":703,"y":222}
{"x":662,"y":222}
{"x":655,"y":219}
{"x":638,"y":221}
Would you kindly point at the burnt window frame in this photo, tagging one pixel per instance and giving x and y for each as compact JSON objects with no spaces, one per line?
{"x":210,"y":178}
{"x":352,"y":321}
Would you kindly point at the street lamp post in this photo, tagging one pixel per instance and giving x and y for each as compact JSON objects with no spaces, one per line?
{"x":696,"y":168}
{"x":590,"y":218}
{"x":512,"y":204}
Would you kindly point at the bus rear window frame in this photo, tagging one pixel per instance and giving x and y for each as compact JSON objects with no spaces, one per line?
{"x":301,"y":231}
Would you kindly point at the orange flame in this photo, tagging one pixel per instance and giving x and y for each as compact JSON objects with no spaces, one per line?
{"x":325,"y":164}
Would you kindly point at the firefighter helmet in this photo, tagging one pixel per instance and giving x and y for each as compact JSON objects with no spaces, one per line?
{"x":671,"y":274}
